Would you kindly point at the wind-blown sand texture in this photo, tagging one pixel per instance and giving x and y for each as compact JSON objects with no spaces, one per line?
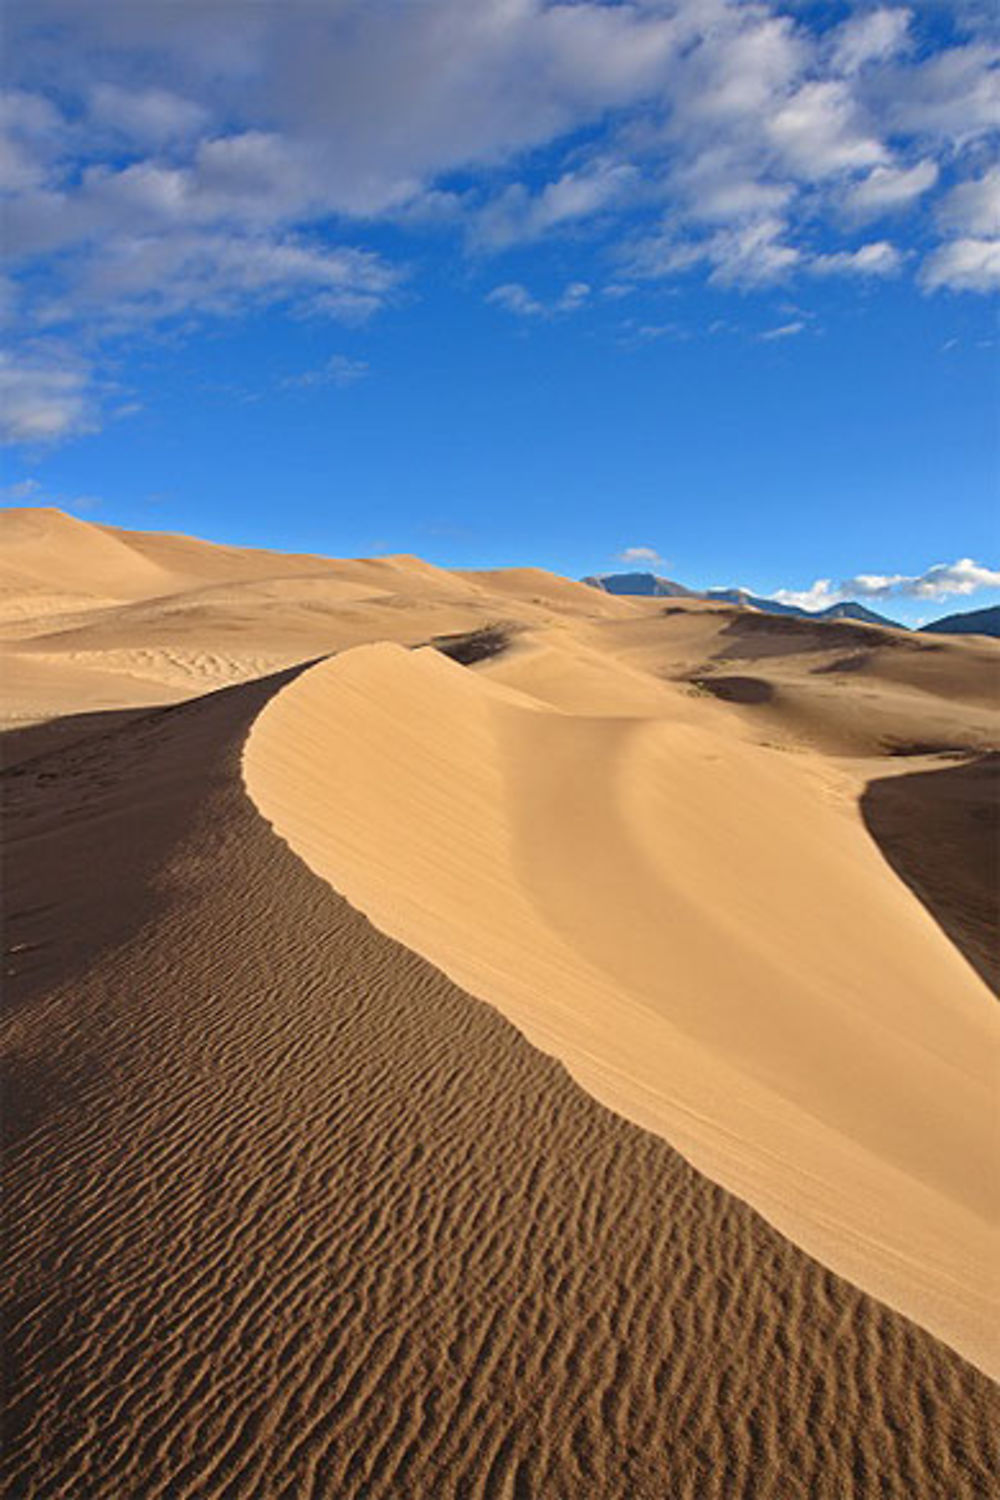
{"x":294,"y":1215}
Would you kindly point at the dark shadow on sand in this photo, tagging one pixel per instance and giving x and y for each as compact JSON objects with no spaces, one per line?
{"x":940,"y":832}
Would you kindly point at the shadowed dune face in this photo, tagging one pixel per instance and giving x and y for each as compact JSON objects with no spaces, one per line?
{"x":940,"y":832}
{"x":737,"y":689}
{"x":297,"y":1217}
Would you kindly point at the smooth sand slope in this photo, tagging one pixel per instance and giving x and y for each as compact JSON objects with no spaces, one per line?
{"x":699,"y":928}
{"x":297,"y":1217}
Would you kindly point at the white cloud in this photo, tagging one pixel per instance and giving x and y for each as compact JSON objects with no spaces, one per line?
{"x":518,"y":215}
{"x":889,"y":189}
{"x":820,"y":131}
{"x":143,"y":279}
{"x":939,"y":581}
{"x":819,"y":596}
{"x":784,"y":331}
{"x":966,"y":265}
{"x":646,"y":557}
{"x":43,"y":400}
{"x":973,"y":207}
{"x":517,"y":299}
{"x":752,"y":254}
{"x":877,"y":259}
{"x":951,"y":97}
{"x":868,"y":38}
{"x":151,"y":116}
{"x":339,"y":370}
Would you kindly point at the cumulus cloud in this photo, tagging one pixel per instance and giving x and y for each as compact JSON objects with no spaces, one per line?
{"x":939,"y":581}
{"x":870,"y":37}
{"x":890,"y":189}
{"x":966,"y":265}
{"x":639,"y":557}
{"x":973,"y":207}
{"x":877,"y":259}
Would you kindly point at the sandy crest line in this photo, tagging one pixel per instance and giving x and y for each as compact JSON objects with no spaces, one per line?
{"x":711,"y":952}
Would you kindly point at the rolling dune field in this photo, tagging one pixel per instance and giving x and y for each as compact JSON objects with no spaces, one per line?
{"x":469,"y":1035}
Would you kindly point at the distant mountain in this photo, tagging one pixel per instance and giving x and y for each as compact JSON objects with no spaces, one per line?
{"x":850,"y":610}
{"x":746,"y":600}
{"x":646,"y":584}
{"x":968,"y":622}
{"x":650,"y":585}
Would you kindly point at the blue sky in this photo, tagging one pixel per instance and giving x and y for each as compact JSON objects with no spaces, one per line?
{"x":703,"y":286}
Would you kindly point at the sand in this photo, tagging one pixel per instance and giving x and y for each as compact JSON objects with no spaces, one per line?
{"x":296,"y":1213}
{"x":699,"y":928}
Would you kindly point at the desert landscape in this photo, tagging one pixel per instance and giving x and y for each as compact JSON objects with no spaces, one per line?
{"x":472,"y":1034}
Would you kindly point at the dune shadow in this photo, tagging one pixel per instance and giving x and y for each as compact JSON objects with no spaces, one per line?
{"x":27,"y":742}
{"x":750,"y":690}
{"x":750,"y":634}
{"x":940,"y":832}
{"x":470,"y":646}
{"x":91,"y":810}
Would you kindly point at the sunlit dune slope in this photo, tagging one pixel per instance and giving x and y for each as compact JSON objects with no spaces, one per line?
{"x":697,"y":925}
{"x":562,"y":595}
{"x":95,"y":618}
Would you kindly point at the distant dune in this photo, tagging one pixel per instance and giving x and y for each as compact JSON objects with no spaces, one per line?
{"x":700,"y":1202}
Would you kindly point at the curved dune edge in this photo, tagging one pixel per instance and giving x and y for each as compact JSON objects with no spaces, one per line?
{"x":710,"y":950}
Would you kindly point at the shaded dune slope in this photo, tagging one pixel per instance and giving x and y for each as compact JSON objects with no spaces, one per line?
{"x":296,"y":1217}
{"x":940,"y":831}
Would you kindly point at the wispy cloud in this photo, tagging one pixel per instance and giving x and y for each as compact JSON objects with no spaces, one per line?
{"x":339,"y":370}
{"x":23,"y":492}
{"x":784,"y":331}
{"x":45,"y":397}
{"x":516,"y":299}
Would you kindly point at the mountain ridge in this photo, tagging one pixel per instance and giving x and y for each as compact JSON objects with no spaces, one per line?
{"x":651,"y":585}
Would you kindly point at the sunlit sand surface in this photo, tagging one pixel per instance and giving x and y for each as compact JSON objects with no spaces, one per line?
{"x":561,"y":1066}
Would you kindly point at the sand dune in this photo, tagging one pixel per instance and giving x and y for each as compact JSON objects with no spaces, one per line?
{"x":95,"y":617}
{"x":296,"y":1217}
{"x":295,"y":1214}
{"x":714,"y":948}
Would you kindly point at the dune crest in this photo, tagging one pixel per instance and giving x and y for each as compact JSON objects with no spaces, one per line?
{"x":713,"y":949}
